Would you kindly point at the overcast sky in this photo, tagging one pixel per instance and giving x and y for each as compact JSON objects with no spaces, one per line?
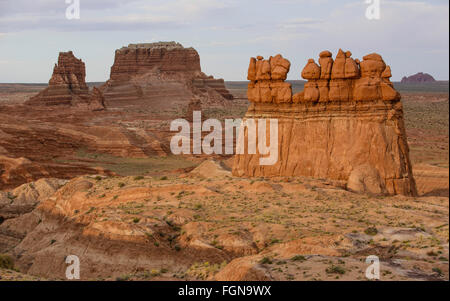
{"x":412,"y":36}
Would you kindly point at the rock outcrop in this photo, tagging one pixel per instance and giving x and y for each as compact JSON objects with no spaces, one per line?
{"x":15,"y":171}
{"x":16,"y":206}
{"x":67,"y":86}
{"x":160,"y":74}
{"x":418,"y":78}
{"x":347,"y":124}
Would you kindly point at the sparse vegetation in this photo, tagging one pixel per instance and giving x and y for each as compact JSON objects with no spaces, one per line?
{"x":335,"y":269}
{"x":266,"y":260}
{"x":298,"y":258}
{"x":6,"y":262}
{"x":372,"y":231}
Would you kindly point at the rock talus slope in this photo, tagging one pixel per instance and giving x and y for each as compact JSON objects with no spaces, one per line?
{"x":346,"y":125}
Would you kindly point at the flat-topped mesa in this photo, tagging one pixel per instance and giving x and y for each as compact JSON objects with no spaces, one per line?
{"x":143,"y":71}
{"x":346,"y":125}
{"x":157,"y":57}
{"x":67,"y":86}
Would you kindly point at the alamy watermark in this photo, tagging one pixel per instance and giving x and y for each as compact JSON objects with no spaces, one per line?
{"x":373,"y":270}
{"x":73,"y":268}
{"x":73,"y":10}
{"x":251,"y":139}
{"x":373,"y":10}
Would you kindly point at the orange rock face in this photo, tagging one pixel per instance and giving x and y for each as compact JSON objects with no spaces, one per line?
{"x":267,"y":80}
{"x":346,"y":125}
{"x":67,"y":86}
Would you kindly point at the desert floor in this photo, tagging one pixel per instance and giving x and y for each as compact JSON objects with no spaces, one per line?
{"x":260,"y":229}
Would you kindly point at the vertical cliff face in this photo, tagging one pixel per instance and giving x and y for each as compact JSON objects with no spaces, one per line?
{"x":160,"y":74}
{"x":67,"y":86}
{"x":347,"y":124}
{"x":139,"y":59}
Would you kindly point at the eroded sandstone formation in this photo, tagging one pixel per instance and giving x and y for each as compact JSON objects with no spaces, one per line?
{"x":160,"y":74}
{"x":67,"y":86}
{"x":347,"y":124}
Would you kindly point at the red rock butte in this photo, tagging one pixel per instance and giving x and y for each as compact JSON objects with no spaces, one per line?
{"x":346,"y":125}
{"x":67,"y":86}
{"x":161,"y":74}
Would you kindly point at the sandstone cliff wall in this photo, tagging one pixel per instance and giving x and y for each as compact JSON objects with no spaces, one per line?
{"x":160,"y":74}
{"x":346,"y":125}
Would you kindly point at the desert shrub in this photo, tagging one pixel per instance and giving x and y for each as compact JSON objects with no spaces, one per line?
{"x":371,"y":231}
{"x":431,"y":253}
{"x":265,"y":260}
{"x":155,"y":273}
{"x":335,"y":269}
{"x":298,"y":258}
{"x":6,"y":262}
{"x":437,"y":271}
{"x":123,"y":278}
{"x":275,"y":241}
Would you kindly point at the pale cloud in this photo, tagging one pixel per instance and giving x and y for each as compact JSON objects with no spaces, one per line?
{"x":194,"y":7}
{"x":402,"y":24}
{"x":299,"y":23}
{"x":283,"y":37}
{"x":411,"y":35}
{"x":103,"y":14}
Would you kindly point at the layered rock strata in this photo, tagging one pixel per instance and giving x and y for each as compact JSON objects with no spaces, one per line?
{"x":347,"y":124}
{"x":161,"y":74}
{"x":67,"y":86}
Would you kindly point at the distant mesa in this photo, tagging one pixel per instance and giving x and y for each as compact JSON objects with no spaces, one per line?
{"x":158,"y":75}
{"x":161,"y":74}
{"x":67,"y":86}
{"x":418,"y":78}
{"x":346,"y":125}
